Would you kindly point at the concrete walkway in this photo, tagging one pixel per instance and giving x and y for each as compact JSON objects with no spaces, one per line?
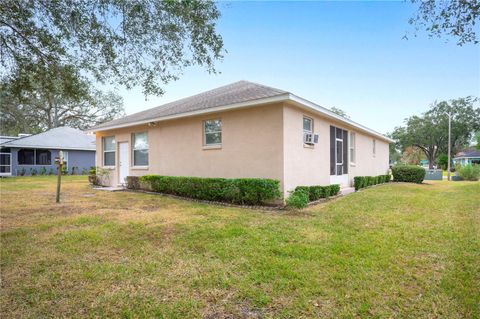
{"x":108,"y":189}
{"x":347,"y":190}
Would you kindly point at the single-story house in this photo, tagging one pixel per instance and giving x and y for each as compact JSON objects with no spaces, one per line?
{"x":468,"y":156}
{"x":242,"y":130}
{"x":35,"y":154}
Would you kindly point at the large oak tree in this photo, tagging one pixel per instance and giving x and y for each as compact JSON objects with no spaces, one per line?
{"x":132,"y":43}
{"x":41,"y":98}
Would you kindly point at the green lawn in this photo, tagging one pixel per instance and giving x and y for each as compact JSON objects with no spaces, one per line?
{"x":392,"y":251}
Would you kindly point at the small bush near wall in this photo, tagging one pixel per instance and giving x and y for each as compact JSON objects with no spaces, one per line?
{"x":298,"y":199}
{"x":360,"y":182}
{"x":318,"y":192}
{"x":313,"y":193}
{"x":248,"y":191}
{"x":408,"y":173}
{"x":469,"y":172}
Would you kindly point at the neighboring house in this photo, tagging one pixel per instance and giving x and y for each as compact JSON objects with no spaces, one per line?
{"x":36,"y":153}
{"x":469,"y":156}
{"x":4,"y":139}
{"x":242,"y":130}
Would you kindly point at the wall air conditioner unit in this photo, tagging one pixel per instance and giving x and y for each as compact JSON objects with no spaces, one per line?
{"x":309,"y":138}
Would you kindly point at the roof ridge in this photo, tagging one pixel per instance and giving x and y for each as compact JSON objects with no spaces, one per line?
{"x":267,"y":87}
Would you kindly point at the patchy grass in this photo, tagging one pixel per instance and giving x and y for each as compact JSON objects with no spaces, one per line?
{"x":392,"y":251}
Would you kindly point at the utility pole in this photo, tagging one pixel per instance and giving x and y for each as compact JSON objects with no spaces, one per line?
{"x":449,"y":142}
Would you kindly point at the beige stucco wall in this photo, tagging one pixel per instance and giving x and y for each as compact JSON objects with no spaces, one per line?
{"x":264,"y":142}
{"x":310,"y":165}
{"x":252,"y":146}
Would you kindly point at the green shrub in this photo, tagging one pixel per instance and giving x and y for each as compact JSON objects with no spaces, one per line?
{"x":317,"y":192}
{"x":335,"y":189}
{"x":305,"y":189}
{"x":408,"y":173}
{"x":43,"y":171}
{"x":359,"y":182}
{"x":369,"y":180}
{"x":442,"y":161}
{"x":314,"y":192}
{"x":250,"y":191}
{"x":298,"y":199}
{"x":469,"y":172}
{"x":254,"y":190}
{"x":93,"y":170}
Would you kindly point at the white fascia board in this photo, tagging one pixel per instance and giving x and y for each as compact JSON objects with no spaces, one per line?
{"x":329,"y":114}
{"x":277,"y":98}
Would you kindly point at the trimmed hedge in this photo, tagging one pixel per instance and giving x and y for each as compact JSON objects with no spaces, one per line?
{"x":408,"y":173}
{"x":248,"y":191}
{"x":312,"y":193}
{"x":318,"y":192}
{"x":360,"y":182}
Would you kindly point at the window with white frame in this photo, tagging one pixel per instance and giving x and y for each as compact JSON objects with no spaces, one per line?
{"x":109,"y":151}
{"x":352,"y":148}
{"x":212,"y":132}
{"x":140,"y":149}
{"x":374,"y":148}
{"x":307,"y":125}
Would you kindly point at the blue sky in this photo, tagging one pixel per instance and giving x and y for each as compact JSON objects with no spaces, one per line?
{"x":349,"y":55}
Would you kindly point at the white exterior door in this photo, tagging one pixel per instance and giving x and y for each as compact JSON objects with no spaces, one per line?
{"x":123,"y":162}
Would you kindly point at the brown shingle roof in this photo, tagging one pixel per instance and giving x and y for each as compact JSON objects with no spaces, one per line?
{"x":237,"y":92}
